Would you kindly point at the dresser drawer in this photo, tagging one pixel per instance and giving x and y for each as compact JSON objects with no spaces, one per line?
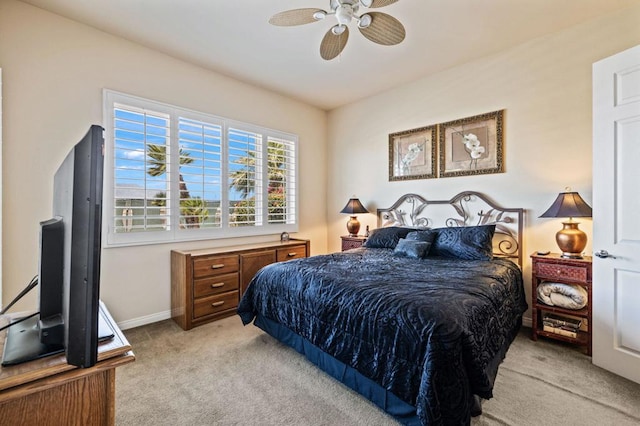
{"x":561,"y":272}
{"x":215,"y":285}
{"x":352,"y":243}
{"x":214,"y":304}
{"x":289,"y":253}
{"x":215,"y":265}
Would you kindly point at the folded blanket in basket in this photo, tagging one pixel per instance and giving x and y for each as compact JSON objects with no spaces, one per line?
{"x":563,"y":295}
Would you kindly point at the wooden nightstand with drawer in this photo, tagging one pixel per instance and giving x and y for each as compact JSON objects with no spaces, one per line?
{"x":349,"y":242}
{"x":577,"y":272}
{"x":206,"y":285}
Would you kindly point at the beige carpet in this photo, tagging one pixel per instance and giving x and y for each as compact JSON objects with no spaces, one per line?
{"x":225,"y":374}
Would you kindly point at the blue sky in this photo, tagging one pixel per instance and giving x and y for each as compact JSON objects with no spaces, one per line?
{"x":202,"y":142}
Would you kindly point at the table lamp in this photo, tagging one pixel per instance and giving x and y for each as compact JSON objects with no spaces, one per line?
{"x":570,"y":239}
{"x":353,"y":206}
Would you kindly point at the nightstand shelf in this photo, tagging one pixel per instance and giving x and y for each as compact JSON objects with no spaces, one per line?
{"x":584,"y":312}
{"x":583,"y":338}
{"x":554,"y":268}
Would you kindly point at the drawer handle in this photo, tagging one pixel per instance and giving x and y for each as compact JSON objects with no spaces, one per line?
{"x":291,"y":254}
{"x":217,"y":285}
{"x":216,"y":304}
{"x":217,"y":266}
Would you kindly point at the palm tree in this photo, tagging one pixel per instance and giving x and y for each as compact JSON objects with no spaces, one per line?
{"x":193,"y":210}
{"x":243,"y":181}
{"x":158,"y":164}
{"x":276,"y":155}
{"x":240,"y":179}
{"x":160,"y":199}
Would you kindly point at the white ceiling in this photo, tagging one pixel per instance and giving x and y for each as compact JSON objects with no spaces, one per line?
{"x":234,"y":38}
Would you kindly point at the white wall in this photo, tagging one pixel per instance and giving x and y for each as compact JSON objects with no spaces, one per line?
{"x":545,"y":88}
{"x":54,"y":70}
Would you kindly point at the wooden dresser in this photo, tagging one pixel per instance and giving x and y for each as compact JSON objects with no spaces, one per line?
{"x":207,"y":284}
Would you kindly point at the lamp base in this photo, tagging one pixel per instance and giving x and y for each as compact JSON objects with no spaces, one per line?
{"x":571,"y":240}
{"x":571,"y":255}
{"x":353,"y":226}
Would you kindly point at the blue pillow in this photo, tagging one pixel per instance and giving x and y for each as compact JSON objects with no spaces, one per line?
{"x":386,"y":237}
{"x":412,"y":248}
{"x":464,"y":242}
{"x":426,"y":235}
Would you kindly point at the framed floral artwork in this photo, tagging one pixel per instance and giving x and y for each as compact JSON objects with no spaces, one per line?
{"x":412,"y":154}
{"x":472,"y":145}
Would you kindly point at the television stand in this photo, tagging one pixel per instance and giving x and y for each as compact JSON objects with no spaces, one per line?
{"x":34,"y":392}
{"x":22,"y":343}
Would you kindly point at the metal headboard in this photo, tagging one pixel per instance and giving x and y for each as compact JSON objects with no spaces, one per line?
{"x":468,"y":208}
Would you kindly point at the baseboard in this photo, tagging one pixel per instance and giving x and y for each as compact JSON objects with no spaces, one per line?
{"x":526,"y":321}
{"x":147,"y":319}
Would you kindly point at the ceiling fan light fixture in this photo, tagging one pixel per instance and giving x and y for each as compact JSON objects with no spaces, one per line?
{"x":364,"y":21}
{"x":344,"y":14}
{"x":378,"y":27}
{"x":338,"y":29}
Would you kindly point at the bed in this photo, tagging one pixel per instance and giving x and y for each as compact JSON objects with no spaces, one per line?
{"x":419,"y":333}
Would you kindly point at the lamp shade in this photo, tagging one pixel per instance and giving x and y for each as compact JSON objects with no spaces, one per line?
{"x":568,"y":204}
{"x":354,"y":206}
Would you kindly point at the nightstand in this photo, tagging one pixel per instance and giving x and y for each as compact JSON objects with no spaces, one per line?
{"x":554,"y":268}
{"x":349,"y":242}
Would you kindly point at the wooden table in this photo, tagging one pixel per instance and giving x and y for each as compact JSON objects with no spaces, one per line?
{"x":49,"y":391}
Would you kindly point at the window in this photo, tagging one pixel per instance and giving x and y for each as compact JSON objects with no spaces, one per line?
{"x":245,"y":183}
{"x":172,"y":175}
{"x":200,"y":171}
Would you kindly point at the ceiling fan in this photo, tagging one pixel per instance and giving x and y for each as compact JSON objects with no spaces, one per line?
{"x":376,"y":26}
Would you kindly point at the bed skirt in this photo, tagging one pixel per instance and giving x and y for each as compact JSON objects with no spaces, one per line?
{"x":387,"y":401}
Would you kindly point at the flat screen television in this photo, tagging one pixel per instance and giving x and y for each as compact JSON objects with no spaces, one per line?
{"x":69,"y":266}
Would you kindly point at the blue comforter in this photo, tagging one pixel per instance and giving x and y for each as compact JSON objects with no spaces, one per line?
{"x":431,"y":331}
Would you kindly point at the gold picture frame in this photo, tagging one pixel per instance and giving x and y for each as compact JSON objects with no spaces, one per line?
{"x":412,"y":154}
{"x":472,"y":145}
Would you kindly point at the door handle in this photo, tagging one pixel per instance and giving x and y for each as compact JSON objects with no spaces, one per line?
{"x":603,"y":254}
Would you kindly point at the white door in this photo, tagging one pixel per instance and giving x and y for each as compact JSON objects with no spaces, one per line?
{"x":1,"y":305}
{"x":616,"y":213}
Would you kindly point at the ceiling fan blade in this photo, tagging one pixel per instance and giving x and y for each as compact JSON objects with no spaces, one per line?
{"x":293,"y":17}
{"x":332,"y":44}
{"x":384,"y":29}
{"x":381,"y":3}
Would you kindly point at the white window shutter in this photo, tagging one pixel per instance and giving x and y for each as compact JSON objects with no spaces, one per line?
{"x":174,"y":174}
